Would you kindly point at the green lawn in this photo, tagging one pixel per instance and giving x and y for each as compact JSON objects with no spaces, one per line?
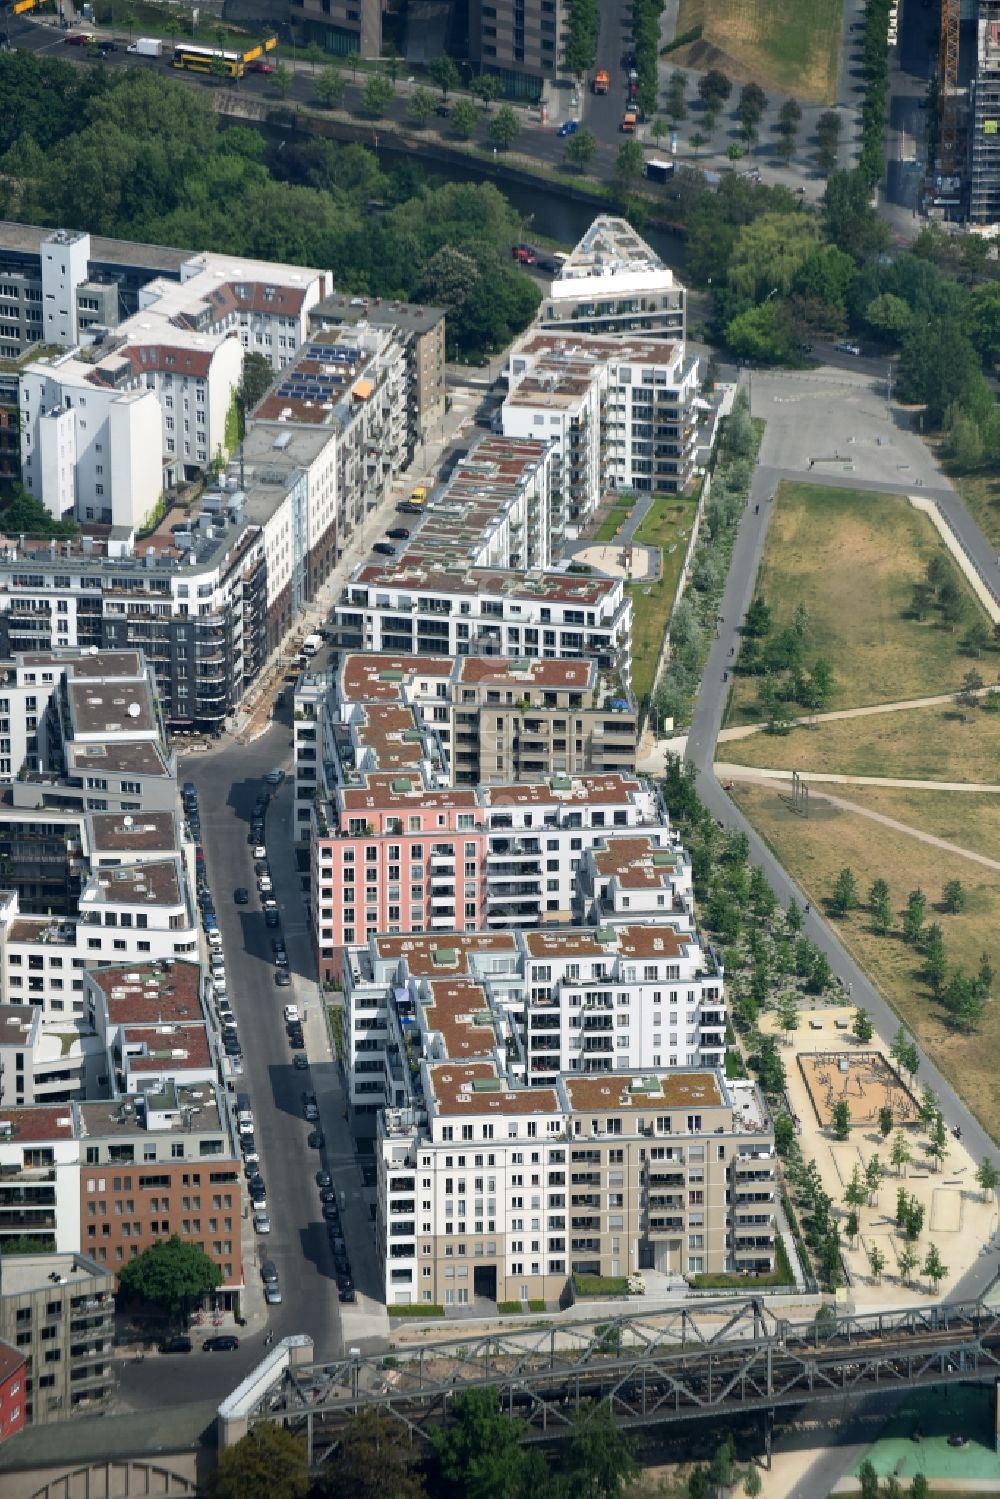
{"x":791,"y":45}
{"x":948,"y":743}
{"x":668,"y":526}
{"x":851,"y":558}
{"x":615,"y":518}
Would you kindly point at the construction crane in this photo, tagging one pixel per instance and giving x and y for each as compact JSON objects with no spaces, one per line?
{"x":948,"y":85}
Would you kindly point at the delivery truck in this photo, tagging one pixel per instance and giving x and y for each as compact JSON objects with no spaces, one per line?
{"x":147,"y":46}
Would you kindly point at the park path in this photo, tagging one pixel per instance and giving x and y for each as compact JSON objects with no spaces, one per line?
{"x":762,"y":773}
{"x":882,"y":818}
{"x":744,"y":730}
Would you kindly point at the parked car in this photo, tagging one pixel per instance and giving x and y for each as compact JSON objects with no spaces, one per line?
{"x":78,"y":39}
{"x":272,"y":919}
{"x":241,"y":895}
{"x":272,"y":1295}
{"x":849,"y":348}
{"x":260,"y":851}
{"x":176,"y":1345}
{"x":324,"y":1179}
{"x":265,"y":884}
{"x":569,"y":127}
{"x":260,"y":66}
{"x":524,"y":254}
{"x":281,"y":958}
{"x":291,"y":1012}
{"x":316,"y":1140}
{"x":106,"y":46}
{"x":282,"y":978}
{"x":275,"y":777}
{"x":261,"y":1222}
{"x":398,"y":533}
{"x":297,"y":1041}
{"x":345,"y":1292}
{"x":384,"y":549}
{"x":301,"y":1064}
{"x":222,"y":1343}
{"x":269,"y":1273}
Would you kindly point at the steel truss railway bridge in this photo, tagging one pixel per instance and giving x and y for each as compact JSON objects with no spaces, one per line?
{"x":671,"y":1365}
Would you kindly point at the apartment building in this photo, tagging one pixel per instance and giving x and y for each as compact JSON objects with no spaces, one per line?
{"x":87,"y":283}
{"x":13,"y":1396}
{"x":58,"y":1312}
{"x":453,"y":858}
{"x":490,"y":1191}
{"x":344,"y":28}
{"x":621,"y":412}
{"x":496,"y":719}
{"x":623,"y":879}
{"x":495,"y":510}
{"x":614,"y":282}
{"x":410,"y":608}
{"x":519,"y":41}
{"x":984,"y":141}
{"x":421,"y":331}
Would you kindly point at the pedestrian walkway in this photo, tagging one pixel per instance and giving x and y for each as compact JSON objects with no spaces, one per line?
{"x":727,"y":772}
{"x":814,"y":720}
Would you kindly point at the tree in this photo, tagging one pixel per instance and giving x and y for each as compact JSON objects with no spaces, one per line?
{"x":463,"y":118}
{"x":851,"y":1225}
{"x":486,"y":87}
{"x":598,"y":1458}
{"x":937,"y":367}
{"x":987,"y":1176}
{"x":793,"y":916}
{"x":420,"y":105}
{"x":763,"y":334}
{"x":821,"y":975}
{"x":377,"y":95}
{"x":505,"y":128}
{"x":953,"y":897}
{"x":899,"y":1154}
{"x":928,"y":1108}
{"x":885,"y":1121}
{"x":714,"y":87}
{"x":753,"y":1484}
{"x":933,"y":1267}
{"x":972,"y":685}
{"x":722,"y":1468}
{"x":935,"y":959}
{"x":750,"y":106}
{"x":479,"y":1451}
{"x":913,"y":916}
{"x":907,"y":1259}
{"x":328,"y":86}
{"x":677,"y":97}
{"x":842,"y":1119}
{"x":629,"y":162}
{"x":581,"y":149}
{"x":770,"y":252}
{"x":845,"y":893}
{"x":920,"y":1487}
{"x":784,"y":1133}
{"x":856,"y":1191}
{"x":788,"y":1011}
{"x":171,"y":1274}
{"x":827,"y":140}
{"x":862,"y":1027}
{"x":876,"y":1261}
{"x":375,"y":1461}
{"x":255,"y":380}
{"x":282,"y":79}
{"x":984,"y":979}
{"x":268,"y":1463}
{"x":443,"y":72}
{"x":851,"y":222}
{"x":937,"y":1144}
{"x":873,"y":1179}
{"x":904,"y":1051}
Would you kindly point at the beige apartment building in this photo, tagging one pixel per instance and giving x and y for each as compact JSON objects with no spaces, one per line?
{"x":521,"y":41}
{"x":506,"y":1191}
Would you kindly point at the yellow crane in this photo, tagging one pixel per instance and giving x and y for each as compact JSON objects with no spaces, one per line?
{"x":948,"y":85}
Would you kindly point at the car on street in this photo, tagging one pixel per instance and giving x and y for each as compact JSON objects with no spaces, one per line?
{"x":260,"y":66}
{"x":78,"y":39}
{"x":272,"y":1295}
{"x":269,"y":1272}
{"x":106,"y":46}
{"x":346,"y":1293}
{"x":524,"y":254}
{"x":291,"y":1012}
{"x":272,"y":919}
{"x":384,"y":549}
{"x":316,"y":1140}
{"x":261,"y":1222}
{"x":176,"y":1345}
{"x":282,"y":978}
{"x":260,"y":851}
{"x":328,"y":1194}
{"x":277,"y":944}
{"x":275,"y":777}
{"x":281,"y":958}
{"x":849,"y":348}
{"x":223,"y":1342}
{"x":265,"y":884}
{"x":297,"y":1041}
{"x":569,"y":127}
{"x":324,"y":1179}
{"x":310,"y":1109}
{"x":408,"y":507}
{"x":331,"y":1213}
{"x":241,"y":895}
{"x":398,"y":533}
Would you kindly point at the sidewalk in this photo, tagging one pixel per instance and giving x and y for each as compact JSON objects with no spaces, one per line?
{"x":365,"y":1319}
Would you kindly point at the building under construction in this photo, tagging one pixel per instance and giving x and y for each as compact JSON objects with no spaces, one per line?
{"x":984,"y":120}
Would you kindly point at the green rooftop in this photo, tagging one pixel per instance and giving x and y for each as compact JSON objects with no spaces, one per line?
{"x":486,"y":1085}
{"x":446,"y":957}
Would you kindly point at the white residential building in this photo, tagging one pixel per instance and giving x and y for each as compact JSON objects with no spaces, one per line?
{"x":614,"y":282}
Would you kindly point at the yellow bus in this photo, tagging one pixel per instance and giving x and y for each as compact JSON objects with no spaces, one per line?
{"x":207,"y":59}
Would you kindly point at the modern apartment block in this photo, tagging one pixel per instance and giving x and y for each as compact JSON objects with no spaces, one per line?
{"x":495,"y":511}
{"x":614,"y":282}
{"x":13,"y":1396}
{"x":620,"y":411}
{"x":984,"y":132}
{"x":519,"y":41}
{"x":392,"y":852}
{"x":493,"y":1190}
{"x":421,"y":330}
{"x":414,"y":608}
{"x":58,"y":1312}
{"x":344,"y":28}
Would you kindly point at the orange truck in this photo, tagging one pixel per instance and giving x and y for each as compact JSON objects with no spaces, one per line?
{"x":601,"y":82}
{"x":629,"y":122}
